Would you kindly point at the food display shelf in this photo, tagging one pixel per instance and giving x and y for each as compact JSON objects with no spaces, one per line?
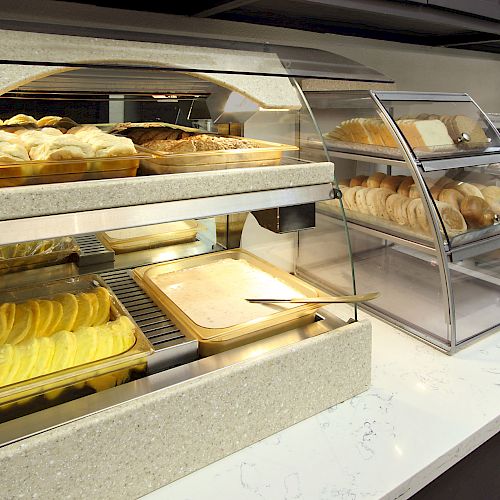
{"x":93,"y":206}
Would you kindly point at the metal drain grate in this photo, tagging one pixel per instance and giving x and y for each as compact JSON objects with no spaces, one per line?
{"x":92,"y":251}
{"x":160,"y":330}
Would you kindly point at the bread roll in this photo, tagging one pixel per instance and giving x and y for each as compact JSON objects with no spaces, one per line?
{"x":468,"y":189}
{"x":350,"y":197}
{"x":452,"y":197}
{"x":413,"y":192}
{"x":374,"y":180}
{"x":492,"y":196}
{"x":12,"y":152}
{"x":477,"y":212}
{"x":361,"y":203}
{"x":444,"y":181}
{"x":358,"y":180}
{"x":108,"y":146}
{"x":10,"y":138}
{"x":416,"y":216}
{"x":435,"y":192}
{"x":48,"y":121}
{"x":344,"y":182}
{"x":396,"y":206}
{"x":376,"y":201}
{"x":392,"y":182}
{"x":404,"y":187}
{"x":452,"y":219}
{"x":365,"y":183}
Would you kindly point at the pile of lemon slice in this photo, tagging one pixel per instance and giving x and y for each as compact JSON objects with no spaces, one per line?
{"x":42,"y":318}
{"x":65,"y":349}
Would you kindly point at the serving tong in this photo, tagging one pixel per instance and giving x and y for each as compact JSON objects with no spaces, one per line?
{"x":341,"y":299}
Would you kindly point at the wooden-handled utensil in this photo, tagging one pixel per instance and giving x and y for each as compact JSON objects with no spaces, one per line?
{"x":341,"y":299}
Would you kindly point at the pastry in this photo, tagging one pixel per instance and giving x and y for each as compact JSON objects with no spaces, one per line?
{"x":392,"y":182}
{"x":11,"y":138}
{"x":404,"y":187}
{"x":48,"y":121}
{"x":376,"y":201}
{"x":358,"y":180}
{"x":468,"y":189}
{"x":360,"y":199}
{"x":20,"y":120}
{"x":452,"y":219}
{"x":87,"y":130}
{"x":492,"y":196}
{"x":64,"y":147}
{"x":32,"y":138}
{"x":12,"y":152}
{"x":344,"y":182}
{"x":374,"y":180}
{"x":396,"y":206}
{"x":452,"y":197}
{"x":350,"y":197}
{"x":435,"y":191}
{"x":477,"y":212}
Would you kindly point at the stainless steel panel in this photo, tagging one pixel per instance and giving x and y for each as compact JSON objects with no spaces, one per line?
{"x":459,"y":161}
{"x":421,"y":96}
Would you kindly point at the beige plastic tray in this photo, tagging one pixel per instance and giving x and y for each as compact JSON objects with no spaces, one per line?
{"x":267,"y":154}
{"x":214,"y":340}
{"x":33,"y":254}
{"x":73,"y":378}
{"x":140,"y":238}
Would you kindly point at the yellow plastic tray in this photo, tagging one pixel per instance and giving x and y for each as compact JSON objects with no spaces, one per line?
{"x":78,"y":375}
{"x":213,"y":340}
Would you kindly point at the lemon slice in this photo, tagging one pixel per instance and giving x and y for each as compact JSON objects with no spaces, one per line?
{"x":28,"y":353}
{"x":104,"y":306}
{"x":6,"y":353}
{"x":86,"y":345}
{"x":70,"y":310}
{"x":85,"y":315}
{"x":116,"y":333}
{"x":65,"y":349}
{"x":46,"y":348}
{"x":21,"y":325}
{"x":7,"y":313}
{"x":57,"y":313}
{"x":92,"y":297}
{"x":46,"y":313}
{"x":125,"y":329}
{"x":15,"y":361}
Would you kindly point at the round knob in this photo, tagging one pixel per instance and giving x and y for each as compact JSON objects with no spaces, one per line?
{"x":465,"y":137}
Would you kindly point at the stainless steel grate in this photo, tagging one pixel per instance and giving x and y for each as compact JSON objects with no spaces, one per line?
{"x":92,"y":251}
{"x":160,"y":330}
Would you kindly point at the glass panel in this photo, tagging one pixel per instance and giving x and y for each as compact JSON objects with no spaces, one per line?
{"x":443,"y":129}
{"x":476,"y":289}
{"x":468,"y":200}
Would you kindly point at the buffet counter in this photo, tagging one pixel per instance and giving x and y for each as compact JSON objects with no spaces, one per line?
{"x":423,"y":413}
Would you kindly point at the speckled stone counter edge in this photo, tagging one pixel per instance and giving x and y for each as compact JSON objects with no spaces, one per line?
{"x":137,"y":447}
{"x":49,"y":199}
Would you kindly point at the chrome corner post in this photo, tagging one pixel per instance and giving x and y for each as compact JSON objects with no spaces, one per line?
{"x":432,"y":215}
{"x":334,"y":183}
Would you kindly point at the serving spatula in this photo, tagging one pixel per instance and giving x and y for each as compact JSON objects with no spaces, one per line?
{"x":341,"y":299}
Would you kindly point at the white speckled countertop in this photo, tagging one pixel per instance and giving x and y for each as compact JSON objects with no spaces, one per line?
{"x":423,"y":413}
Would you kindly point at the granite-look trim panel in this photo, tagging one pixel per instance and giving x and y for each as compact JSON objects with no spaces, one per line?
{"x":137,"y":447}
{"x":49,"y":199}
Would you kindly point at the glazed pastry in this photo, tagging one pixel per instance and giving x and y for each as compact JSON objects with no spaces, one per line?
{"x":392,"y":182}
{"x":48,"y":121}
{"x":452,"y":197}
{"x":477,"y":212}
{"x":374,"y":180}
{"x":396,"y":206}
{"x":404,"y":187}
{"x":20,"y":120}
{"x":376,"y":201}
{"x":360,"y":198}
{"x":452,"y":219}
{"x":358,"y":180}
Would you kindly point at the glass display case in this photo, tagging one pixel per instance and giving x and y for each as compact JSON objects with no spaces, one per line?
{"x":420,"y":178}
{"x":211,"y":141}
